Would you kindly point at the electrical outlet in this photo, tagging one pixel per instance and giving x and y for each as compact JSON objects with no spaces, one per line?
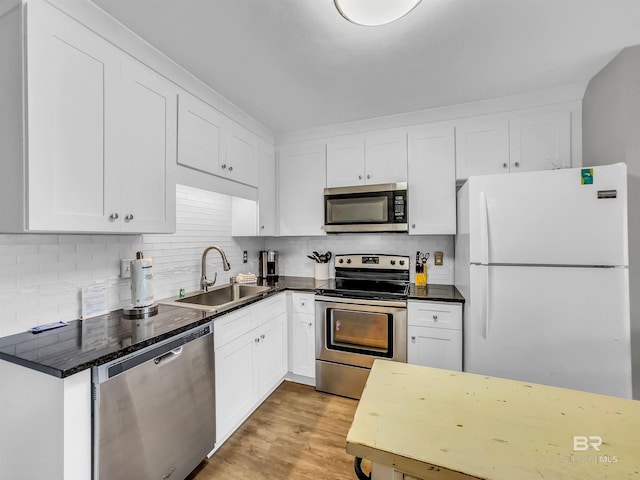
{"x":245,"y":257}
{"x":125,"y":268}
{"x":438,"y":258}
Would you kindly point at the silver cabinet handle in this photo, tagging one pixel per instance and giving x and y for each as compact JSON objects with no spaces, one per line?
{"x":262,"y":336}
{"x":223,"y":166}
{"x":129,"y":217}
{"x":505,"y":165}
{"x":113,"y":216}
{"x":230,"y":168}
{"x":517,"y":164}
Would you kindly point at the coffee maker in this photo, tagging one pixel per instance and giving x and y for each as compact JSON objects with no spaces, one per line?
{"x":269,"y":265}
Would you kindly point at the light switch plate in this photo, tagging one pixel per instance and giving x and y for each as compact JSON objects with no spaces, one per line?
{"x":125,"y":268}
{"x":438,"y":258}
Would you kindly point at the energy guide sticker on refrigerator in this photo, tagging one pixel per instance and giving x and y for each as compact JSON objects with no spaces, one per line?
{"x":542,"y":259}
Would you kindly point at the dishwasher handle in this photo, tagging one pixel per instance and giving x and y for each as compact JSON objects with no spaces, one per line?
{"x":167,"y":357}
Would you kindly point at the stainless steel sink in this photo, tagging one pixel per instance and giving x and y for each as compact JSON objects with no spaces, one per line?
{"x":219,"y":298}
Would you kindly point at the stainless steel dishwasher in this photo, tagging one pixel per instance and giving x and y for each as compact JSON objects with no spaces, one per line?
{"x":154,"y":410}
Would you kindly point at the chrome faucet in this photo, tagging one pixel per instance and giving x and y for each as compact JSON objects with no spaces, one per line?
{"x":204,"y":282}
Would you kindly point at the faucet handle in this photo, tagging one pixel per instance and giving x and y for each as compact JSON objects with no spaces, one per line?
{"x":205,"y":283}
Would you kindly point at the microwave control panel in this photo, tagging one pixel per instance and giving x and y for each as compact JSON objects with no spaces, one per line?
{"x":399,"y":210}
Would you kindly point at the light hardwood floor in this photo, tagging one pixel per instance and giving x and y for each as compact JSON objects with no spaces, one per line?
{"x":297,"y":433}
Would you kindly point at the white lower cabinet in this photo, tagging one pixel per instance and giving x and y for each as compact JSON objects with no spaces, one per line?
{"x":303,"y":333}
{"x":434,"y":334}
{"x":250,"y":360}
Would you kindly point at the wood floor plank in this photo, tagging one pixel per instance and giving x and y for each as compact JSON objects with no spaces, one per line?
{"x":297,"y":433}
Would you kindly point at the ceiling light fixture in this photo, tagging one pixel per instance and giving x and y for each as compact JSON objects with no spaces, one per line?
{"x":371,"y":13}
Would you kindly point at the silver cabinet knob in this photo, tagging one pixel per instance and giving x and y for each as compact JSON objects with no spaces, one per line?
{"x":505,"y":165}
{"x":413,"y":225}
{"x":129,"y":217}
{"x":413,"y":338}
{"x":368,"y":176}
{"x":113,"y":216}
{"x":517,"y":164}
{"x":262,"y":227}
{"x":230,"y":168}
{"x":257,"y":340}
{"x":310,"y":324}
{"x":359,"y":177}
{"x":223,"y":166}
{"x":435,"y":317}
{"x":262,"y":336}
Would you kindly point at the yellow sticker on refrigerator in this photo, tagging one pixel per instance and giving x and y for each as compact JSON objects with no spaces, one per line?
{"x":587,"y":176}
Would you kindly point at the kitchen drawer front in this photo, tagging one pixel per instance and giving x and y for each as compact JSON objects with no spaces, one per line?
{"x":234,"y":325}
{"x":272,"y":307}
{"x":303,"y":302}
{"x":435,"y":314}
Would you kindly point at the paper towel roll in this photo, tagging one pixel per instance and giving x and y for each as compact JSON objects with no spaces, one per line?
{"x":141,"y":281}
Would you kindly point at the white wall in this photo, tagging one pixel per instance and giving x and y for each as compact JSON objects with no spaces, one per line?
{"x":41,"y":275}
{"x":294,"y":251}
{"x":611,"y":133}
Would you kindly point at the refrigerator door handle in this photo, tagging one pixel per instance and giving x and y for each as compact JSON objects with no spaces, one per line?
{"x":486,"y":302}
{"x":484,"y":229}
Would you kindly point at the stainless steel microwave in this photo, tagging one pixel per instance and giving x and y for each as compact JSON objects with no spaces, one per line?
{"x":366,"y":208}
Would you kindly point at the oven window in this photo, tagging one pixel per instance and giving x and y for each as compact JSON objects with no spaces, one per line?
{"x":367,"y":333}
{"x":359,"y":209}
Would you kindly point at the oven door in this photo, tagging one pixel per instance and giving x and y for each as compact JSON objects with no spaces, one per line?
{"x":356,"y":332}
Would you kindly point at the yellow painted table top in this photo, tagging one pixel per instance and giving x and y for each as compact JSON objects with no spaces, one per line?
{"x":445,"y":425}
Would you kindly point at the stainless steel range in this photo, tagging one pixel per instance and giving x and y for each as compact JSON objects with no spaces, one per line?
{"x":360,"y":316}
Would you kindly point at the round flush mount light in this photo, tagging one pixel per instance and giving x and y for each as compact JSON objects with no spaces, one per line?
{"x":371,"y":13}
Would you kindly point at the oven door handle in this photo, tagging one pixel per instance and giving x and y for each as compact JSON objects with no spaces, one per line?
{"x":361,"y":301}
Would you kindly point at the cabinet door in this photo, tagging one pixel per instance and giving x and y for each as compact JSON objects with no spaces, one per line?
{"x":432,"y":181}
{"x":301,"y":183}
{"x":482,"y":147}
{"x":267,"y":191}
{"x":272,"y":358}
{"x":434,"y":347}
{"x":72,"y":88}
{"x":199,"y":135}
{"x":147,"y":151}
{"x":345,"y":161}
{"x":386,"y":157}
{"x":303,"y":345}
{"x":540,"y":142}
{"x":241,"y":155}
{"x":236,"y":383}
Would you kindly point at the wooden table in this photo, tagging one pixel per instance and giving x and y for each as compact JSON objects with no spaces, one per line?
{"x":444,"y":425}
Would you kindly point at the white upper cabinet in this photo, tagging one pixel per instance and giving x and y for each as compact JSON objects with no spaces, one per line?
{"x":147,"y":150}
{"x":199,"y":135}
{"x":241,"y":154}
{"x":212,"y":143}
{"x":267,"y":191}
{"x":386,"y":156}
{"x":72,"y":90}
{"x":371,"y":158}
{"x":345,"y":161}
{"x":432,"y":182}
{"x":482,"y":147}
{"x":301,"y":181}
{"x":101,"y":135}
{"x":540,"y":142}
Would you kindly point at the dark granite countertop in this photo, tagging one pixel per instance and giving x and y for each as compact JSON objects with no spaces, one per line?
{"x":436,"y":293}
{"x":87,"y":343}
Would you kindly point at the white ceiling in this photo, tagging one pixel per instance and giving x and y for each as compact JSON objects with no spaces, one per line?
{"x":298,"y":64}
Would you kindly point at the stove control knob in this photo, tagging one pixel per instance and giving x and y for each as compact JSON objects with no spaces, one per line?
{"x":348,"y":260}
{"x":401,"y":262}
{"x":340,"y":261}
{"x":393,"y":262}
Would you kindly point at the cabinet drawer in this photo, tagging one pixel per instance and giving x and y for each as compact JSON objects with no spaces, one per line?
{"x":303,"y":302}
{"x":271,"y":308}
{"x":435,"y":314}
{"x":233,"y":325}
